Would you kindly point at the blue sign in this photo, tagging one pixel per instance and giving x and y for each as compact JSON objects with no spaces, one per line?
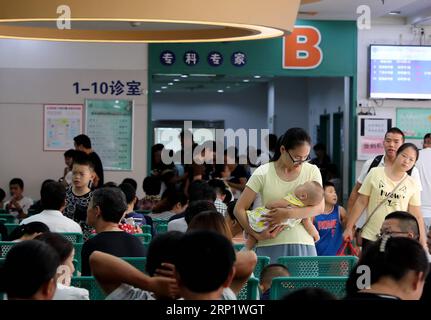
{"x":239,"y":59}
{"x":191,"y":58}
{"x":167,"y":58}
{"x":215,"y":59}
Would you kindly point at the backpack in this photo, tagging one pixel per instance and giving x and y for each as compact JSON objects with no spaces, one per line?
{"x":377,"y":160}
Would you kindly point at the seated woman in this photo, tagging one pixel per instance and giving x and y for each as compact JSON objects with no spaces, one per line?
{"x":66,"y":252}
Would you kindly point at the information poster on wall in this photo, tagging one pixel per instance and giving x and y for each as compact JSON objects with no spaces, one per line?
{"x":61,"y":124}
{"x":109,"y":124}
{"x":414,"y":122}
{"x":371,"y":133}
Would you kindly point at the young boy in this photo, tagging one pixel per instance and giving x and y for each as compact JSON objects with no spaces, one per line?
{"x":268,"y":273}
{"x":330,"y":223}
{"x":307,"y":194}
{"x":18,"y":205}
{"x":78,"y":195}
{"x":68,"y":160}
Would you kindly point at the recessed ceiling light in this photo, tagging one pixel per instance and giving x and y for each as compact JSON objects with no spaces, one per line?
{"x":158,"y":91}
{"x":228,"y":87}
{"x":184,"y":76}
{"x":164,"y":87}
{"x":257,"y":77}
{"x":116,"y":101}
{"x":220,"y":91}
{"x":395,"y":13}
{"x":170,"y":84}
{"x":245,"y":80}
{"x":176,"y":80}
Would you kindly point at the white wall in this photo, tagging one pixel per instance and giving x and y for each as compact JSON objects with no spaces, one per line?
{"x":36,"y":73}
{"x":385,"y":31}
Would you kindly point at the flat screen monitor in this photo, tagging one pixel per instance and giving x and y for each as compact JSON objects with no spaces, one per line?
{"x":399,"y":72}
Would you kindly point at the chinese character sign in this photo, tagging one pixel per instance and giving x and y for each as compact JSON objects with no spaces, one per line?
{"x":191,"y":58}
{"x":113,"y":88}
{"x":239,"y":59}
{"x":215,"y":59}
{"x":167,"y":58}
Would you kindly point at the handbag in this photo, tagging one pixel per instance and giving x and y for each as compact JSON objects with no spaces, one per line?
{"x":360,"y":230}
{"x":347,"y":245}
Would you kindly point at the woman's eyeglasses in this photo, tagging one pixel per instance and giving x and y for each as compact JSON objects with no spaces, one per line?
{"x":298,"y":161}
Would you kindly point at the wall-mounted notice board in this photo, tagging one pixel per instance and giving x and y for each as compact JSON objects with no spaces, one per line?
{"x":62,"y":123}
{"x":414,"y":122}
{"x":109,"y":124}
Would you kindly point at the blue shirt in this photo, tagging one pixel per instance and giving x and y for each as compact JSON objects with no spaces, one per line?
{"x":330,"y":231}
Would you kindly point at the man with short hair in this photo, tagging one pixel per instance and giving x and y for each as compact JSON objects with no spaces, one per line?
{"x":53,"y":200}
{"x":394,"y":138}
{"x":83,"y":143}
{"x":106,"y":208}
{"x":424,"y":167}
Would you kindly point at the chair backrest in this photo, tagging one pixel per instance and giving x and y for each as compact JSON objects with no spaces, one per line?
{"x":5,"y":246}
{"x":91,"y":285}
{"x":3,"y":211}
{"x":144,"y":237}
{"x":238,"y":246}
{"x":324,"y":266}
{"x":161,"y":228}
{"x":146,"y":228}
{"x":77,"y":257}
{"x":281,"y":286}
{"x":250,"y":290}
{"x":74,"y":237}
{"x":138,"y":263}
{"x":11,"y":227}
{"x":262,"y":261}
{"x":8,"y":217}
{"x":2,"y":260}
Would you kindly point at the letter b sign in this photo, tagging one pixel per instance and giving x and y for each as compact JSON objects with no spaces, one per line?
{"x":301,"y":48}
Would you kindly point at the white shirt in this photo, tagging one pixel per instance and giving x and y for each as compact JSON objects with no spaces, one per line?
{"x":178,"y":225}
{"x":70,"y":293}
{"x":424,"y":167}
{"x":25,"y":204}
{"x":55,"y":221}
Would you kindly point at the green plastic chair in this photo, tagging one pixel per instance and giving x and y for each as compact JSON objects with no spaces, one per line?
{"x":2,"y":260}
{"x":281,"y":286}
{"x":5,"y":246}
{"x":11,"y":227}
{"x":238,"y":246}
{"x":324,"y":266}
{"x":144,"y":237}
{"x":146,"y":228}
{"x":138,"y":263}
{"x":77,"y":257}
{"x":161,"y":228}
{"x":74,"y":237}
{"x":250,"y":290}
{"x":91,"y":285}
{"x":8,"y":217}
{"x":3,"y":211}
{"x":262,"y":261}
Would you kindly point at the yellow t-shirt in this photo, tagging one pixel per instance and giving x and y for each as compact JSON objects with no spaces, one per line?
{"x":266,"y":182}
{"x":377,"y":186}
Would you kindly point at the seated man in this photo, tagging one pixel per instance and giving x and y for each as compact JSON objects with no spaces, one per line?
{"x":53,"y":200}
{"x":105,"y":210}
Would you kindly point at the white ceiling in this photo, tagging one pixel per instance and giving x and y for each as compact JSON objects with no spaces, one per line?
{"x":346,"y":9}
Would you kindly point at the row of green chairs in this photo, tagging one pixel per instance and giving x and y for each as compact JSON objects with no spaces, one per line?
{"x":7,"y":217}
{"x":282,"y":286}
{"x":320,"y":266}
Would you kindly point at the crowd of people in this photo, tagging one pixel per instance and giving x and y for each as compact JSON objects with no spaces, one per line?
{"x":284,"y":206}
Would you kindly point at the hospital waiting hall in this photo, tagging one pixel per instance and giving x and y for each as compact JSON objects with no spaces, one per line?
{"x":231,"y":150}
